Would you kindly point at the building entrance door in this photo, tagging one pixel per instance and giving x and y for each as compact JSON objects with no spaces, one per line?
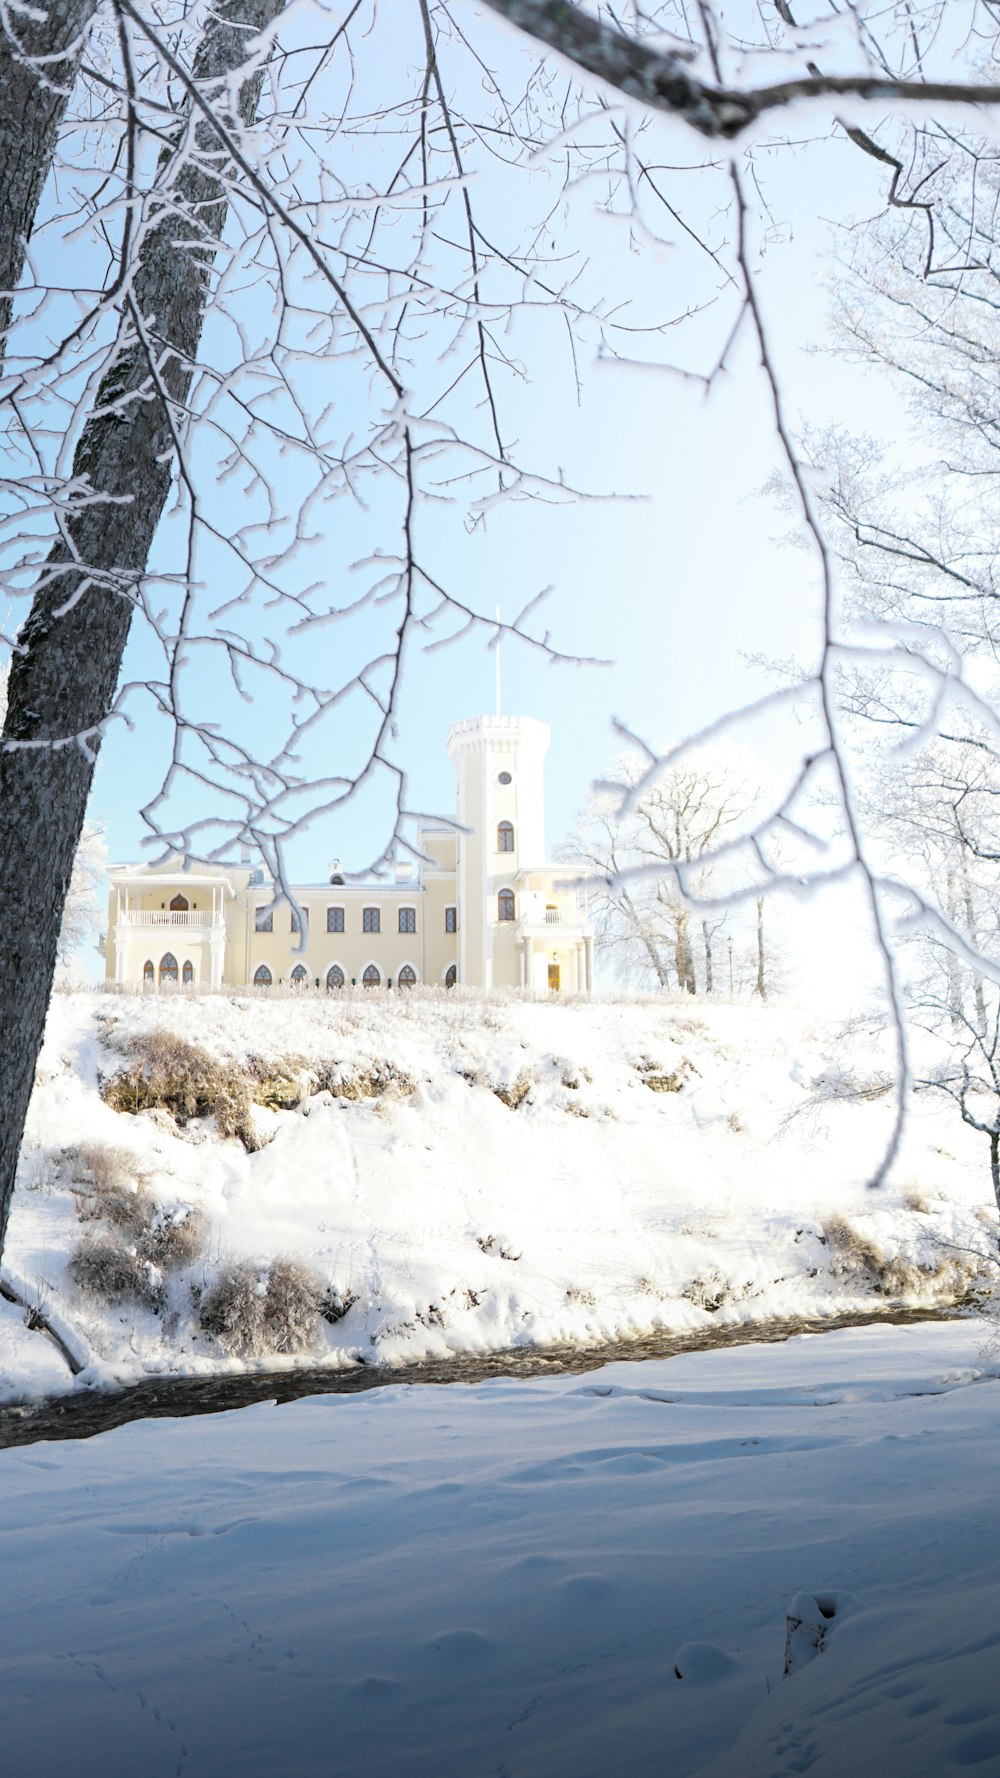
{"x":554,"y":978}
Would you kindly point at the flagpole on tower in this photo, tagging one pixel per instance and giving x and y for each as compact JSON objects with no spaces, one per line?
{"x":497,"y":647}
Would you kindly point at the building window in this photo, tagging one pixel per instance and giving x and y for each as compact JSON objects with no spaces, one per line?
{"x":335,"y":976}
{"x":407,"y":977}
{"x":263,"y":920}
{"x":505,"y":836}
{"x":296,"y":922}
{"x":335,"y":919}
{"x":187,"y":974}
{"x":505,"y":904}
{"x":451,"y":919}
{"x":371,"y":977}
{"x":168,"y":968}
{"x":299,"y":976}
{"x":371,"y":921}
{"x":407,"y":919}
{"x":451,"y":975}
{"x":503,"y":777}
{"x":262,"y":977}
{"x":179,"y":905}
{"x":148,"y":972}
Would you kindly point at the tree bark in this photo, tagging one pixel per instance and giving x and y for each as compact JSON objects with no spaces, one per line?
{"x":38,"y":66}
{"x":69,"y":653}
{"x":761,"y":957}
{"x":683,"y":955}
{"x":707,"y":939}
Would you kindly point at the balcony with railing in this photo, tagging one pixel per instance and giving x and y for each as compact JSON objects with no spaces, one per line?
{"x":204,"y":917}
{"x":537,"y":913}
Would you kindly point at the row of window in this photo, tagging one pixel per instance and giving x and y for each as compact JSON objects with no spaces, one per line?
{"x":335,"y":978}
{"x":168,"y":971}
{"x":371,"y":920}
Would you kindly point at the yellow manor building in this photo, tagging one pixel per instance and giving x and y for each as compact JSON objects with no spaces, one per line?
{"x":485,"y":910}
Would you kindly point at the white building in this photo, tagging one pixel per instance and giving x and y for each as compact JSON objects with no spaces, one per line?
{"x":484,"y":909}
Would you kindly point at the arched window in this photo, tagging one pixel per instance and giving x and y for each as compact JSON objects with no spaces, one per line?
{"x":148,"y":973}
{"x":299,"y":976}
{"x":262,"y":977}
{"x":168,"y":968}
{"x":505,"y":836}
{"x":179,"y":905}
{"x":335,"y":976}
{"x":505,"y":904}
{"x":371,"y":977}
{"x":407,"y":977}
{"x":187,"y":974}
{"x":451,"y":975}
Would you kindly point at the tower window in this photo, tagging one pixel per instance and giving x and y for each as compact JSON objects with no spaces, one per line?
{"x":450,"y":975}
{"x":334,"y":976}
{"x":148,"y":972}
{"x":503,"y":778}
{"x":168,"y":968}
{"x":179,"y":904}
{"x":451,"y":919}
{"x":263,"y":920}
{"x":371,"y":921}
{"x":505,"y":836}
{"x":371,"y":977}
{"x":262,"y":977}
{"x":407,"y":919}
{"x":187,"y":975}
{"x":505,"y":904}
{"x":300,"y":976}
{"x":335,"y":919}
{"x":296,"y":922}
{"x":407,"y":977}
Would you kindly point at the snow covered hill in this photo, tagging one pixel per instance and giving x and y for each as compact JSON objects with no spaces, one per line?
{"x":446,"y":1173}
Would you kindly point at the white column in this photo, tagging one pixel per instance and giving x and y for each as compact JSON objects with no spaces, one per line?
{"x":588,"y":945}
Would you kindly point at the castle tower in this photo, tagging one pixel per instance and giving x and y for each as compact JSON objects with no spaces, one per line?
{"x":498,"y":764}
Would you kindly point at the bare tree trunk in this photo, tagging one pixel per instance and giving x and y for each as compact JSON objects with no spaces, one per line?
{"x":995,"y":1164}
{"x":64,"y":674}
{"x":761,"y":957}
{"x":39,"y":57}
{"x":970,"y":927}
{"x":707,"y":937}
{"x":683,"y":954}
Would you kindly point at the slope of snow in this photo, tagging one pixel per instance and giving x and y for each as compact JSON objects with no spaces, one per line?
{"x":597,"y":1209}
{"x":554,"y":1579}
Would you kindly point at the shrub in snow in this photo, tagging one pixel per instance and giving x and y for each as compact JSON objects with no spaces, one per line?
{"x":368,"y":1081}
{"x":513,"y":1093}
{"x":106,"y":1268}
{"x":175,"y":1236}
{"x":253,"y":1310}
{"x":856,"y":1254}
{"x":103,"y":1165}
{"x":334,"y":1303}
{"x":166,"y":1072}
{"x":166,"y":1237}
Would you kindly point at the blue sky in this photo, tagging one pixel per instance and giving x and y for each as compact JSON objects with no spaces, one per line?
{"x":674,"y":585}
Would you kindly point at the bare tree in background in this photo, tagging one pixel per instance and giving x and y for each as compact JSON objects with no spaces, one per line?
{"x":672,"y":870}
{"x":241,"y":281}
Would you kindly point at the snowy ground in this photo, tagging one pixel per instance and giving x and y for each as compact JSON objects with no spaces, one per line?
{"x":667,"y":1166}
{"x":503,"y":1581}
